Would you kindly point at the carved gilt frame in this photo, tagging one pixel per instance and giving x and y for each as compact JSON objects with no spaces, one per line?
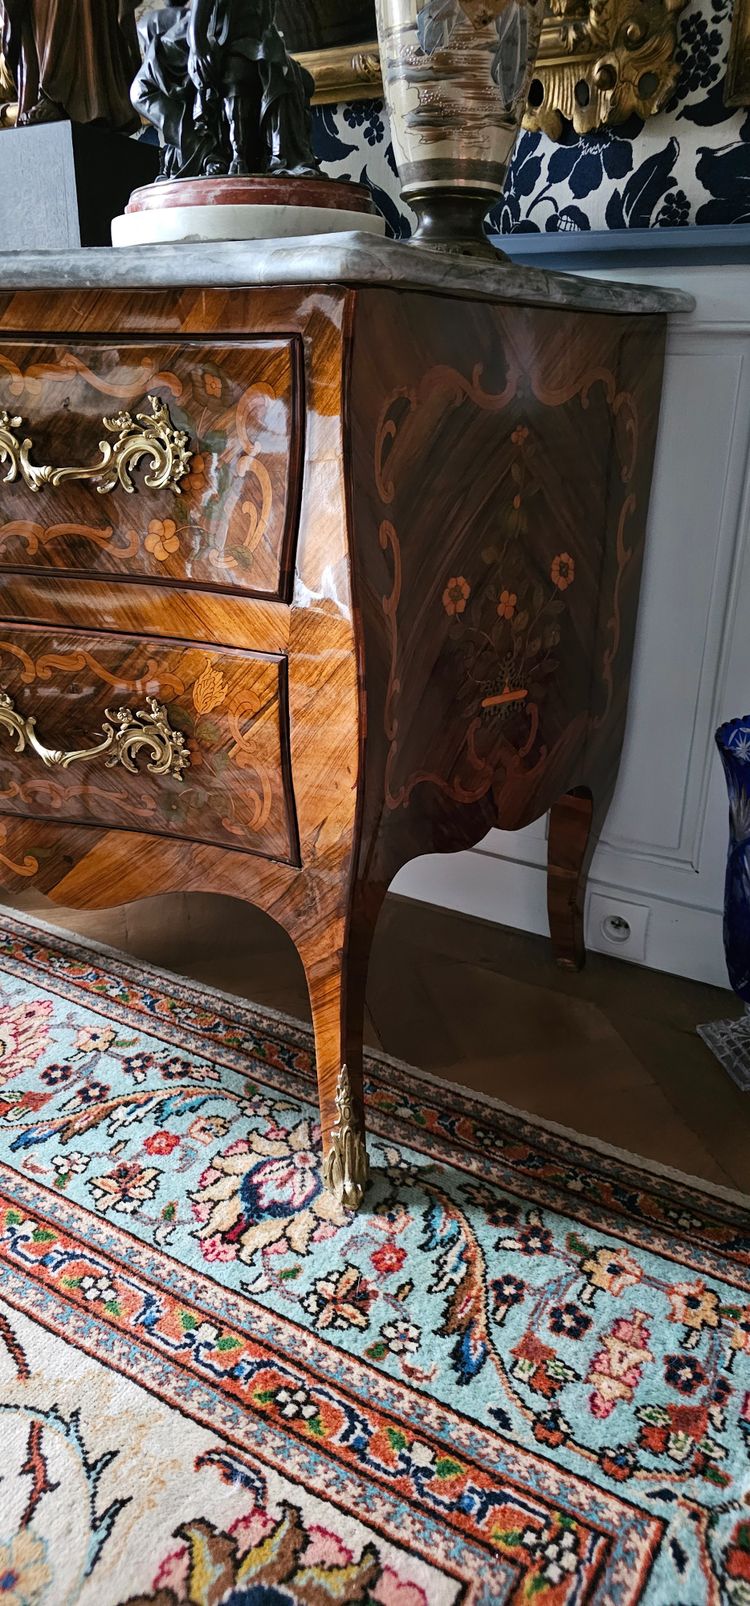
{"x":599,"y":62}
{"x":8,"y":108}
{"x":737,"y":88}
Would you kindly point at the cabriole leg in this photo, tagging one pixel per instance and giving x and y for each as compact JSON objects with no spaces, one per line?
{"x":571,"y":845}
{"x":336,"y":975}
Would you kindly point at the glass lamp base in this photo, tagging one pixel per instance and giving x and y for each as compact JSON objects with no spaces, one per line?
{"x":729,"y":1042}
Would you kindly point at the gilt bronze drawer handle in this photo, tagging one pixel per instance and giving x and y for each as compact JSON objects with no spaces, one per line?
{"x":124,"y":735}
{"x":147,"y":435}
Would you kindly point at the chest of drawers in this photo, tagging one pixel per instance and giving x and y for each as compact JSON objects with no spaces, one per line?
{"x":322,"y":562}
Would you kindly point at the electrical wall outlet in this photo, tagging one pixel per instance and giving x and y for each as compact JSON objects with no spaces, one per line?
{"x":616,"y":927}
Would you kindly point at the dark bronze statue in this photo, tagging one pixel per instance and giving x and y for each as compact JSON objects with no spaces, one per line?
{"x":225,"y":95}
{"x":72,"y":58}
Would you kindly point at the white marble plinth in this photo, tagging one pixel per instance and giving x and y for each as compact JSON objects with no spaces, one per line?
{"x":191,"y":225}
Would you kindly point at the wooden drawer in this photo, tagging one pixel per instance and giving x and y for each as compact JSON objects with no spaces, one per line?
{"x":229,"y":784}
{"x":233,"y":521}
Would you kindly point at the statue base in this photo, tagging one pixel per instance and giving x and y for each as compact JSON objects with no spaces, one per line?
{"x":186,"y":211}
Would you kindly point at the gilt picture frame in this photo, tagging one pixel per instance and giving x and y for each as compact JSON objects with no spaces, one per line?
{"x":600,"y":61}
{"x":737,"y":85}
{"x":8,"y":106}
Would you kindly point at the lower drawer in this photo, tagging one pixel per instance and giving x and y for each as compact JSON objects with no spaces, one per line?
{"x":161,"y":736}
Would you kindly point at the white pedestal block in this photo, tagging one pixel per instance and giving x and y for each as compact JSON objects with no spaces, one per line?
{"x":189,"y":225}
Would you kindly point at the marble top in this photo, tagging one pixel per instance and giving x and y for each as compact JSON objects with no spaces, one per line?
{"x":347,"y":259}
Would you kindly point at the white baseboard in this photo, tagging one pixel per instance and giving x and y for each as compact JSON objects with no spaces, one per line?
{"x":679,"y":938}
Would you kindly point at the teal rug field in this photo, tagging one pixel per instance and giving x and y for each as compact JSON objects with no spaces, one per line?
{"x":521,"y":1373}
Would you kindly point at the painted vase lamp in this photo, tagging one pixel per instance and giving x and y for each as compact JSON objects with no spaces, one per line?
{"x":456,"y":76}
{"x":730,"y":1040}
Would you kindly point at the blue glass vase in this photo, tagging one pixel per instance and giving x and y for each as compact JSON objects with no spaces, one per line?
{"x":729,"y":1040}
{"x":733,"y":742}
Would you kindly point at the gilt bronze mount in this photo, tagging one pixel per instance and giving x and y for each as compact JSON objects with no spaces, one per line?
{"x":346,"y":1171}
{"x":124,"y":735}
{"x":151,"y":435}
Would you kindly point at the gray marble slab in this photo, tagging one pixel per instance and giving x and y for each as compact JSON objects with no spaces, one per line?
{"x":348,"y":259}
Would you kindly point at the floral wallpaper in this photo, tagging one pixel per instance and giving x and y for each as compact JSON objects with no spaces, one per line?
{"x":689,"y":165}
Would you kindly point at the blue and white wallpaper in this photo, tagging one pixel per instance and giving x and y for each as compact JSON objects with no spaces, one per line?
{"x":688,"y":165}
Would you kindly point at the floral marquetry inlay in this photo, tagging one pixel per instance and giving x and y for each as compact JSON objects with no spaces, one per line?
{"x":507,"y":616}
{"x":509,"y":623}
{"x":522,"y":600}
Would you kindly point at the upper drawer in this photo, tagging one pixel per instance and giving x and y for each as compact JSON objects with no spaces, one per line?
{"x":232,"y":520}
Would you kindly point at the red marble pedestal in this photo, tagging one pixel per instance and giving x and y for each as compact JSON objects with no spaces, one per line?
{"x":190,"y":210}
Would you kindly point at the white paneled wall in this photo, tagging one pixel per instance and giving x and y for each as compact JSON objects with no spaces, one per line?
{"x":660,"y":863}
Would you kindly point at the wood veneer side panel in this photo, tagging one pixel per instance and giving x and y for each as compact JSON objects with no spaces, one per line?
{"x":404,"y":531}
{"x":577,"y":818}
{"x":489,"y":447}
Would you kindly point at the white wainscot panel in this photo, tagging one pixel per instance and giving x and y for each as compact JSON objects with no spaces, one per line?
{"x":687,"y":564}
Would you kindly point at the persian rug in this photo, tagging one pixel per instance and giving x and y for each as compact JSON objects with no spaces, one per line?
{"x":522,"y":1373}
